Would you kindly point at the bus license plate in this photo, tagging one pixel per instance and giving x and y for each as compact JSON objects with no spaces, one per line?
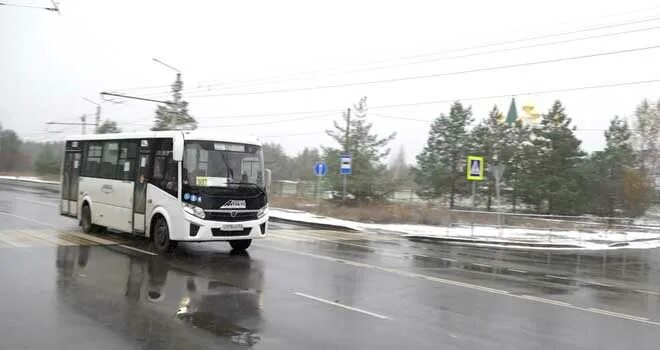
{"x":232,"y":227}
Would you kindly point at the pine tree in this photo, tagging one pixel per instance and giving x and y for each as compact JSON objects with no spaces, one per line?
{"x":518,"y":144}
{"x":176,"y":111}
{"x":441,"y":163}
{"x":366,"y":149}
{"x":552,"y":180}
{"x":108,"y":127}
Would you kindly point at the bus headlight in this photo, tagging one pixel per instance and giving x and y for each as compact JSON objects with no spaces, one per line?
{"x":262,"y":212}
{"x":194,"y":210}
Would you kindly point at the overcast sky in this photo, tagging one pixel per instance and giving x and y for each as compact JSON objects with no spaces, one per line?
{"x":48,"y":62}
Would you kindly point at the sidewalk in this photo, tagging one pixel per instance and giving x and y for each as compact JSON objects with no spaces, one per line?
{"x":510,"y":237}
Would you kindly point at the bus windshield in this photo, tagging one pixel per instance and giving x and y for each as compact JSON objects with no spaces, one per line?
{"x":221,"y":164}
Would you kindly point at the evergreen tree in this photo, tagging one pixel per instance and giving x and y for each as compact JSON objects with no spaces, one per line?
{"x":176,"y":110}
{"x":108,"y":127}
{"x":441,"y":163}
{"x":368,"y":179}
{"x":10,"y":146}
{"x":552,"y":179}
{"x":518,"y":144}
{"x":277,"y":161}
{"x":302,"y":165}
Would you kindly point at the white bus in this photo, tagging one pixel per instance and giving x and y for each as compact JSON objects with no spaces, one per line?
{"x":170,"y":186}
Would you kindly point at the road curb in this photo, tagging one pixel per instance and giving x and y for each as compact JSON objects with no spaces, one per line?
{"x":313,"y":224}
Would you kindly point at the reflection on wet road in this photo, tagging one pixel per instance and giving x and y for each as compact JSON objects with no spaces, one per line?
{"x":306,"y":288}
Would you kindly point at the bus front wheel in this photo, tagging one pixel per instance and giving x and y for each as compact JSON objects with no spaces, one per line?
{"x":86,"y":221}
{"x":241,"y":244}
{"x":161,"y":236}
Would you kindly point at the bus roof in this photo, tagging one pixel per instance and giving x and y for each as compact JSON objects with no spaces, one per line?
{"x":205,"y":135}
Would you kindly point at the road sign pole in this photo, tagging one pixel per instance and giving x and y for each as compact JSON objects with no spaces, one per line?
{"x":318,"y":189}
{"x":344,"y":179}
{"x":474,"y":192}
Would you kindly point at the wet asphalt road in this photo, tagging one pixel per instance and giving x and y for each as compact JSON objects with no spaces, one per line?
{"x":310,"y":289}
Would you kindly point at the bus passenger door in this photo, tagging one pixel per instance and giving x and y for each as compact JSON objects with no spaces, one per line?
{"x":140,"y":189}
{"x":70,"y":175}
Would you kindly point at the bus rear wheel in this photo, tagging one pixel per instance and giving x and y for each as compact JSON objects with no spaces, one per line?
{"x":241,"y":244}
{"x":161,"y":237}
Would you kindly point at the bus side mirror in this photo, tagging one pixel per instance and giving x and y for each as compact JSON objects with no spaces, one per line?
{"x":177,"y":148}
{"x":267,"y":175}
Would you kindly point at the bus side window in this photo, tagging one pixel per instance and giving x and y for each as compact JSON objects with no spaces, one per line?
{"x":165,"y":171}
{"x":126,"y":166}
{"x":92,"y":159}
{"x":109,"y":159}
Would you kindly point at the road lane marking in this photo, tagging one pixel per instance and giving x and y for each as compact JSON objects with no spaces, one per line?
{"x":28,"y":219}
{"x":616,"y":314}
{"x":600,"y":284}
{"x":557,"y":277}
{"x":7,"y":239}
{"x":482,"y":265}
{"x":343,"y":306}
{"x":447,"y":259}
{"x":45,"y":237}
{"x":37,"y":202}
{"x":516,"y":270}
{"x":545,"y":300}
{"x":647,"y":291}
{"x":137,"y":249}
{"x":469,"y":286}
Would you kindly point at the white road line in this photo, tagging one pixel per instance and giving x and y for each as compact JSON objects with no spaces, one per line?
{"x":7,"y":239}
{"x":544,"y":300}
{"x":516,"y":270}
{"x":600,"y":284}
{"x":616,"y":314}
{"x":137,"y":249}
{"x":28,"y":219}
{"x":447,"y":259}
{"x":557,"y":277}
{"x":482,"y":265}
{"x":37,"y":202}
{"x":343,"y":306}
{"x":468,"y":285}
{"x":647,"y":291}
{"x":44,"y":236}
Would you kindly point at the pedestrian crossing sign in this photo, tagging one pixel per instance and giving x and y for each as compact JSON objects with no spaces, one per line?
{"x":475,"y":168}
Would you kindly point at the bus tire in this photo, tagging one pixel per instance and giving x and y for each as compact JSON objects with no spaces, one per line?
{"x":86,"y":220}
{"x":240,"y":244}
{"x":161,"y":236}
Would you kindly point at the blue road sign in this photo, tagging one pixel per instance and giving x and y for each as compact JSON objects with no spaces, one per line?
{"x":320,"y":169}
{"x":345,"y":168}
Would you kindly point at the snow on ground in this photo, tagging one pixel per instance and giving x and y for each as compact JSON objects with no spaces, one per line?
{"x":514,"y":237}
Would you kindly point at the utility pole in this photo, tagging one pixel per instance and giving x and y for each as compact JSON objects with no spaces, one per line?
{"x":176,"y":88}
{"x":97,"y":122}
{"x":83,"y":120}
{"x":344,"y":179}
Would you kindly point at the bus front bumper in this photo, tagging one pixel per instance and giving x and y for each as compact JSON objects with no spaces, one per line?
{"x":199,"y":230}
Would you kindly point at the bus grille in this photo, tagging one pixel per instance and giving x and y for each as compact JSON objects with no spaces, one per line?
{"x":224,"y":216}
